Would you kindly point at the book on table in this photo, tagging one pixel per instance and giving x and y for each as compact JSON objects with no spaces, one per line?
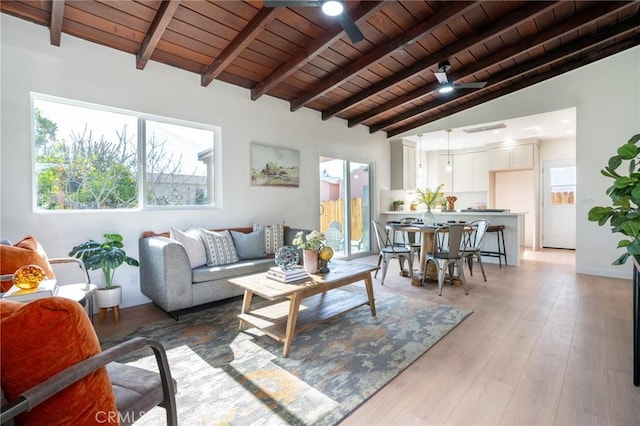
{"x":278,"y":274}
{"x":47,"y":288}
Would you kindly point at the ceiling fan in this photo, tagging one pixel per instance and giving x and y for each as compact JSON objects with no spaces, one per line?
{"x":330,"y":8}
{"x":447,"y":86}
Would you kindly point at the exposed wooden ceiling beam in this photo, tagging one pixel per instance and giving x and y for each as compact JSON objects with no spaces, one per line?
{"x":158,"y":26}
{"x":259,"y":22}
{"x":536,"y":40}
{"x":315,"y":47}
{"x":440,"y":18}
{"x":585,"y":59}
{"x":55,"y":25}
{"x":507,"y":23}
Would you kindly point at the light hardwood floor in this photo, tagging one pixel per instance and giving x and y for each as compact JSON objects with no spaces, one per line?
{"x":544,"y":346}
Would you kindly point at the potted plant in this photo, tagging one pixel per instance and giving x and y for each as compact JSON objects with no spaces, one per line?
{"x":624,"y":217}
{"x":310,"y":245}
{"x":429,"y":198}
{"x":108,"y":256}
{"x":624,"y":213}
{"x":398,"y":205}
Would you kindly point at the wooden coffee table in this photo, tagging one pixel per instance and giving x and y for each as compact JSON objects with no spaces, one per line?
{"x":319,"y":295}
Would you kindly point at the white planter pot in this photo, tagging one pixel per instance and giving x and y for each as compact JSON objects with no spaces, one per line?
{"x":107,"y":298}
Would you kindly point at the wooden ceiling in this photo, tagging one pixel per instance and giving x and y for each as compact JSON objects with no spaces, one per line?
{"x":385,"y":81}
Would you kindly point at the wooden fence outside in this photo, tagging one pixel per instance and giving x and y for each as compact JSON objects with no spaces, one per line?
{"x":333,"y":211}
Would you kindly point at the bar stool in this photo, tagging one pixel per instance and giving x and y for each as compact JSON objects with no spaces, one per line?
{"x":502,"y":249}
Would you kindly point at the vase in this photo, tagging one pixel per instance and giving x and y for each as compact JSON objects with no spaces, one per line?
{"x":310,"y":261}
{"x":428,"y":218}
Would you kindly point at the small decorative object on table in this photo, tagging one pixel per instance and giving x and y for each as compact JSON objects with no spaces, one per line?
{"x":325,"y":253}
{"x":309,"y":244}
{"x":286,"y":258}
{"x":28,"y":277}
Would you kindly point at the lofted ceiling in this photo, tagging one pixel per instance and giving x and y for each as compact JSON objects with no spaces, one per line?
{"x":386,"y":81}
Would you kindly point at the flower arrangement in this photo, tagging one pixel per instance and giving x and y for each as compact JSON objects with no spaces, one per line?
{"x":428,"y":197}
{"x":312,"y":241}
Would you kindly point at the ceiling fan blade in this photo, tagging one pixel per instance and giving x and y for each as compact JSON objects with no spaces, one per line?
{"x":442,"y":77}
{"x":290,"y":3}
{"x":350,"y":27}
{"x":474,"y":85}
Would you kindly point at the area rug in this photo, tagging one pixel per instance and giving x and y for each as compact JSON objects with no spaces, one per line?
{"x":240,"y":378}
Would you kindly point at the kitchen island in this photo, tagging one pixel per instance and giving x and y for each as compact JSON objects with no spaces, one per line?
{"x":513,"y":232}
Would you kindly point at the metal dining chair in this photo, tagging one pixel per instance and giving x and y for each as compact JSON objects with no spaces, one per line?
{"x":448,"y":253}
{"x":475,"y":244}
{"x":389,"y":250}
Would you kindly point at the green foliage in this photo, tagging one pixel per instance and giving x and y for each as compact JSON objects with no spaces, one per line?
{"x":430,"y":197}
{"x":108,"y":256}
{"x":624,"y":213}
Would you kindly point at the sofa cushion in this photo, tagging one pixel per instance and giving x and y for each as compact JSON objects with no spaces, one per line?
{"x":231,"y":270}
{"x":26,"y":252}
{"x":192,"y":242}
{"x":251,"y":245}
{"x":33,"y":349}
{"x":219,"y":247}
{"x":273,"y":236}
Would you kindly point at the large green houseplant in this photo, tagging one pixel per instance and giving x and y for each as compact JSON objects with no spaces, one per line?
{"x":107,"y":256}
{"x":624,"y":213}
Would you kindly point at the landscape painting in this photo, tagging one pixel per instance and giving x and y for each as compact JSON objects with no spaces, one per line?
{"x":274,"y":166}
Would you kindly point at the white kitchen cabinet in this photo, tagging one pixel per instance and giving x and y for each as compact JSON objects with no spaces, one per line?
{"x":517,"y":157}
{"x":403,"y":164}
{"x":470,"y":172}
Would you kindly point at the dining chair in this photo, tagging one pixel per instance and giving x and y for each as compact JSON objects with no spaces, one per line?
{"x":475,"y":243}
{"x":412,"y":238}
{"x":389,"y":250}
{"x":447,"y":255}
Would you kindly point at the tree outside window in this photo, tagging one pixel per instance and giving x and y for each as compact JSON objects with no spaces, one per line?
{"x":88,"y":158}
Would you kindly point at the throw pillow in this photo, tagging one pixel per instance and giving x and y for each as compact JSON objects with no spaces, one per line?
{"x":249,"y":246}
{"x":26,"y":252}
{"x":32,"y":350}
{"x":192,"y":243}
{"x":273,"y":236}
{"x":219,"y":247}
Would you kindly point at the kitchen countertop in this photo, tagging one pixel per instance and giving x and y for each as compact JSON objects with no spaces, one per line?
{"x":458,"y":212}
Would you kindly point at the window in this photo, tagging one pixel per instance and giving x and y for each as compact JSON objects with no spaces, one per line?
{"x":91,"y":157}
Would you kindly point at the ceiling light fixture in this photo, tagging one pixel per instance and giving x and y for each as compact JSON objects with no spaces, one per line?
{"x":448,"y":168}
{"x":445,"y":88}
{"x":332,"y":8}
{"x":420,"y":149}
{"x":485,"y":128}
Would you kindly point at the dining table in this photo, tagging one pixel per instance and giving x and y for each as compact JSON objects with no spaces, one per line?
{"x":426,"y":232}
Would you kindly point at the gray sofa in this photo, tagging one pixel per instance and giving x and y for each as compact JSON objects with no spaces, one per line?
{"x":167,"y":279}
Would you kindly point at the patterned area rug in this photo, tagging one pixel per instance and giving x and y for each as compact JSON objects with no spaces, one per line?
{"x":230,"y":377}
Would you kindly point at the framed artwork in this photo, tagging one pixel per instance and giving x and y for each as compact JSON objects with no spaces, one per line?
{"x":274,"y":166}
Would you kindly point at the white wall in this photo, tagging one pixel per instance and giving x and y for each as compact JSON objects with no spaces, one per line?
{"x":88,"y":72}
{"x":607,"y":115}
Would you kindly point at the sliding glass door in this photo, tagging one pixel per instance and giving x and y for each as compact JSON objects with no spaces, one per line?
{"x":345,"y":205}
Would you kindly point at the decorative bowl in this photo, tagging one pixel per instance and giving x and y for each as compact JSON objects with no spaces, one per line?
{"x":28,"y":277}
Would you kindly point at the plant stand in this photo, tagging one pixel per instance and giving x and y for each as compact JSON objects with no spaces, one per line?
{"x":109,"y":298}
{"x":116,"y":313}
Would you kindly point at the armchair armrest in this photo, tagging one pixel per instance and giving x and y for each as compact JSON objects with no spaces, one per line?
{"x":73,"y":260}
{"x":39,"y":393}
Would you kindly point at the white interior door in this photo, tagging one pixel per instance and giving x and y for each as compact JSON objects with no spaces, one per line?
{"x":559,"y":204}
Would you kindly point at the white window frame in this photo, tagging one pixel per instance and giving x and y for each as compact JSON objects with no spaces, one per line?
{"x":215,"y":203}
